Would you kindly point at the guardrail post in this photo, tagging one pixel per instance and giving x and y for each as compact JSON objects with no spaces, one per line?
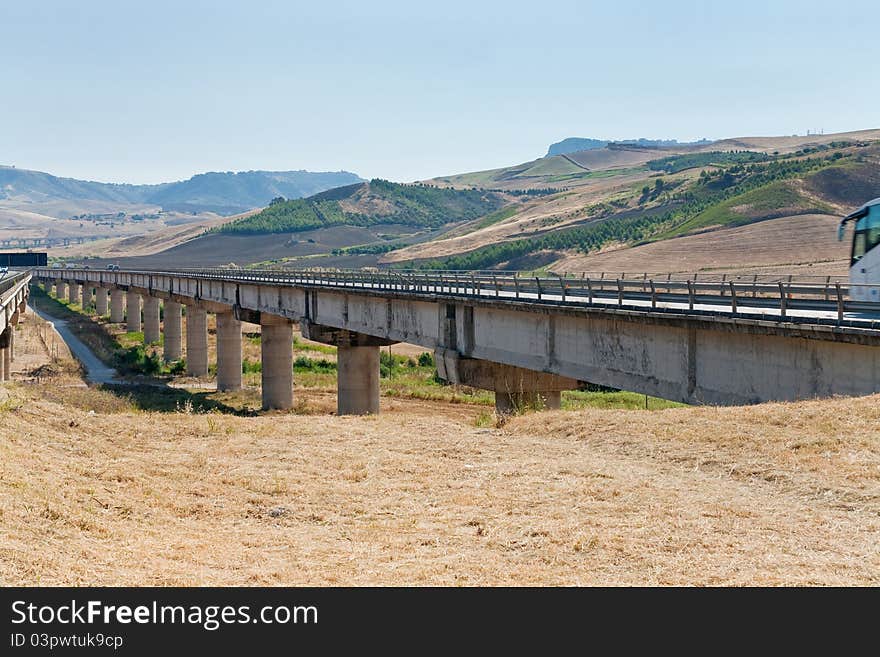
{"x":473,"y":285}
{"x":782,"y":302}
{"x":538,"y":283}
{"x":827,"y":284}
{"x":732,"y":297}
{"x":562,"y":285}
{"x":495,"y":283}
{"x":839,"y":303}
{"x":690,"y":295}
{"x":619,"y":292}
{"x":589,"y":291}
{"x":653,"y":294}
{"x":516,"y":283}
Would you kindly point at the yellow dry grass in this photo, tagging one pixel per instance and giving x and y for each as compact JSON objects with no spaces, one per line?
{"x":803,"y":245}
{"x":774,"y":494}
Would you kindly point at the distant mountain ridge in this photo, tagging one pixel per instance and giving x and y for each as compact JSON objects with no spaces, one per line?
{"x":225,"y":193}
{"x":575,"y":144}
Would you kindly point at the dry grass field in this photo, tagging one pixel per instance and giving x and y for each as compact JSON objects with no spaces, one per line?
{"x":95,"y":491}
{"x":804,"y":245}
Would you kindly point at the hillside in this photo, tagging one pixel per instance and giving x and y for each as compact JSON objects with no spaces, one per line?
{"x":221,"y":193}
{"x":577,"y":144}
{"x":664,"y":196}
{"x":368,"y":204}
{"x":565,"y":212}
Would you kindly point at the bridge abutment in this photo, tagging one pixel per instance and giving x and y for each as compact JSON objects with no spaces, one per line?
{"x":152,"y":331}
{"x":117,"y":305}
{"x":196,"y":341}
{"x":276,"y":353}
{"x":173,"y":331}
{"x":228,"y":352}
{"x":133,"y":311}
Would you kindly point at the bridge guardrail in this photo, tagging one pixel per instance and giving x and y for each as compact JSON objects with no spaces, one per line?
{"x":10,"y":281}
{"x":744,"y":296}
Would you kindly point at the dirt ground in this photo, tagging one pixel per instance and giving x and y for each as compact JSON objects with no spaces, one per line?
{"x":95,"y":491}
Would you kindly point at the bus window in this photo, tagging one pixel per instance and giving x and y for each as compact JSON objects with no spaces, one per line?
{"x":867,"y":235}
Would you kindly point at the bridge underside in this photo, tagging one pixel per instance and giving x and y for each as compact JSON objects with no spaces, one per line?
{"x":526,"y":353}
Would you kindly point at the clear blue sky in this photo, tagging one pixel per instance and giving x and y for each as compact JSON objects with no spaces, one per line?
{"x":151,"y":91}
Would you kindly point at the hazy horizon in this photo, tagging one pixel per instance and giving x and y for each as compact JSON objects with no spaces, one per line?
{"x":158,"y":93}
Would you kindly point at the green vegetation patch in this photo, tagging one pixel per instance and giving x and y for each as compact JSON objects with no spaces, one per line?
{"x":676,"y":163}
{"x":383,"y":202}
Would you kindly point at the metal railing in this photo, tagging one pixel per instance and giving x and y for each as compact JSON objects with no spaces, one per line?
{"x":10,"y":281}
{"x":779,"y":299}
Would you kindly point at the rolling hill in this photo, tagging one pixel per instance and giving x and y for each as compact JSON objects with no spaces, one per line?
{"x":658,"y":194}
{"x":619,"y":207}
{"x":221,"y":193}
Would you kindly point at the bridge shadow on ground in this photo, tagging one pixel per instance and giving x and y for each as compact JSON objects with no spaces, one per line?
{"x":165,"y":399}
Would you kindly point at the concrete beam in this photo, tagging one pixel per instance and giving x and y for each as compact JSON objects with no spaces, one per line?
{"x":196,"y":341}
{"x":228,"y":352}
{"x":133,"y":311}
{"x":276,"y":352}
{"x":338,"y":336}
{"x":152,"y":331}
{"x":173,"y":331}
{"x":117,"y":305}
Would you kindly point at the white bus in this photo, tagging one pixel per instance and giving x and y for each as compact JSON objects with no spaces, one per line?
{"x":864,"y":266}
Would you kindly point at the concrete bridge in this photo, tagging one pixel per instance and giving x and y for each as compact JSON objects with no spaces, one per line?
{"x":13,"y":301}
{"x":728,"y":341}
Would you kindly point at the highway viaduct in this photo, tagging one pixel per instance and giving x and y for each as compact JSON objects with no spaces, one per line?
{"x":527,"y":339}
{"x":13,"y":301}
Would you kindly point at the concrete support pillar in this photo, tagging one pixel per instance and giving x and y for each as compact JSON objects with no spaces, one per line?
{"x":196,"y":341}
{"x":73,"y":294}
{"x":133,"y":311}
{"x":6,"y":353}
{"x":86,"y":294}
{"x":357,"y":371}
{"x":151,"y":320}
{"x":228,"y":352}
{"x":173,"y":331}
{"x":101,"y":301}
{"x":60,"y":289}
{"x":276,"y":351}
{"x":117,"y":305}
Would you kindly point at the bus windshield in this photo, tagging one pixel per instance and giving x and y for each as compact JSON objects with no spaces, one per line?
{"x":867,"y":235}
